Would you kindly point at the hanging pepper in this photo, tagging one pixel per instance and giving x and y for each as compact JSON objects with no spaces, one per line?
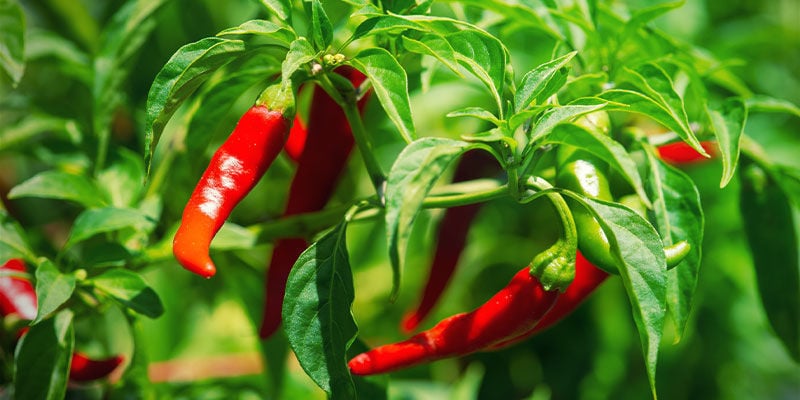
{"x":451,"y":238}
{"x":297,"y":139}
{"x":322,"y":159}
{"x":680,"y":153}
{"x":233,"y":171}
{"x":515,"y":309}
{"x":84,"y":369}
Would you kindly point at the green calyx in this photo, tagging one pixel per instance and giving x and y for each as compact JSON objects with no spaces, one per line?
{"x":555,"y":267}
{"x":278,"y":97}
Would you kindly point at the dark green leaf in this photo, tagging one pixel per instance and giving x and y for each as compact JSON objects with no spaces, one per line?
{"x":12,"y":40}
{"x":109,"y":219}
{"x":413,"y":175}
{"x":605,"y":148}
{"x":475,"y":112}
{"x":435,"y":46}
{"x":130,"y":290}
{"x":281,"y":8}
{"x":559,"y":114}
{"x":728,"y":123}
{"x":385,"y":25}
{"x":678,"y":216}
{"x":317,"y":316}
{"x":772,"y":235}
{"x":390,"y":83}
{"x":187,"y":69}
{"x":537,"y":85}
{"x":644,"y":273}
{"x":43,"y":357}
{"x":300,"y":52}
{"x":52,"y":288}
{"x":60,"y":185}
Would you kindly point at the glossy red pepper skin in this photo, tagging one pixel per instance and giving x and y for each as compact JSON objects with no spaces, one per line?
{"x":85,"y":369}
{"x":322,"y":159}
{"x":17,"y":295}
{"x":515,"y":309}
{"x":680,"y":153}
{"x":234,"y":170}
{"x":587,"y":279}
{"x":450,"y":239}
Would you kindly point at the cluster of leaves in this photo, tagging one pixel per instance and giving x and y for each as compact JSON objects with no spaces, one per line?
{"x":597,"y":57}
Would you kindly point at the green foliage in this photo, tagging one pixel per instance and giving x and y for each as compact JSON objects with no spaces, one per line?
{"x":110,"y":110}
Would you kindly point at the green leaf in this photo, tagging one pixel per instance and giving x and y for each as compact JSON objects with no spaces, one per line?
{"x":475,"y":112}
{"x":43,"y":357}
{"x":771,"y":104}
{"x":635,"y":102}
{"x":262,"y":28}
{"x":653,"y":81}
{"x":413,"y":175}
{"x":53,"y":288}
{"x":542,"y":82}
{"x":385,"y":25}
{"x":677,"y":215}
{"x":129,"y":289}
{"x":728,"y":123}
{"x":605,"y":148}
{"x":390,"y":83}
{"x":60,"y":185}
{"x":123,"y":180}
{"x":12,"y":239}
{"x":772,"y":235}
{"x":644,"y":272}
{"x":559,"y":114}
{"x":35,"y":124}
{"x":485,"y":57}
{"x":108,"y":219}
{"x":233,"y":237}
{"x":300,"y":52}
{"x":186,"y":70}
{"x":321,"y":28}
{"x":435,"y":46}
{"x":12,"y":40}
{"x":642,"y":17}
{"x":317,"y":316}
{"x":527,"y":15}
{"x":281,"y":8}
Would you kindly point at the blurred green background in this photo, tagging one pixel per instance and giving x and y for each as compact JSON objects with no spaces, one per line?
{"x":728,"y":351}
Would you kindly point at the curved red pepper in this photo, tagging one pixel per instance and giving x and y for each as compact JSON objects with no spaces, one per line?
{"x":451,"y":238}
{"x":84,"y":369}
{"x":327,"y":146}
{"x":513,"y":310}
{"x":587,"y":279}
{"x":17,"y":295}
{"x":680,"y":153}
{"x":233,"y":171}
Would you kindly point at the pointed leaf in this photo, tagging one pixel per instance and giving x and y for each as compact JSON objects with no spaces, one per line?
{"x":413,"y":175}
{"x":317,"y":316}
{"x":542,"y":82}
{"x":262,"y":28}
{"x":60,"y":185}
{"x":390,"y":83}
{"x":12,"y":40}
{"x":12,"y":240}
{"x":321,"y":28}
{"x":728,"y":123}
{"x":485,"y":57}
{"x":53,"y":288}
{"x":559,"y":114}
{"x":185,"y":71}
{"x":771,"y":104}
{"x":281,"y":8}
{"x":130,"y":289}
{"x":108,"y":219}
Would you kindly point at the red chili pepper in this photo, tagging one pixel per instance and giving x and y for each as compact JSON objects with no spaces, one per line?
{"x":233,"y":171}
{"x":297,"y":139}
{"x":587,"y":279}
{"x":327,"y":146}
{"x":17,"y":295}
{"x":83,"y":368}
{"x":680,"y":153}
{"x":452,"y":237}
{"x":513,"y":310}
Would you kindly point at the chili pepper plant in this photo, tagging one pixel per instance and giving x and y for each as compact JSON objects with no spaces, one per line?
{"x":331,"y":199}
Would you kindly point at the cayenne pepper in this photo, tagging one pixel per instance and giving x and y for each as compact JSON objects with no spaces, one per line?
{"x":233,"y":171}
{"x":512,"y":311}
{"x":322,"y":159}
{"x":680,"y":153}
